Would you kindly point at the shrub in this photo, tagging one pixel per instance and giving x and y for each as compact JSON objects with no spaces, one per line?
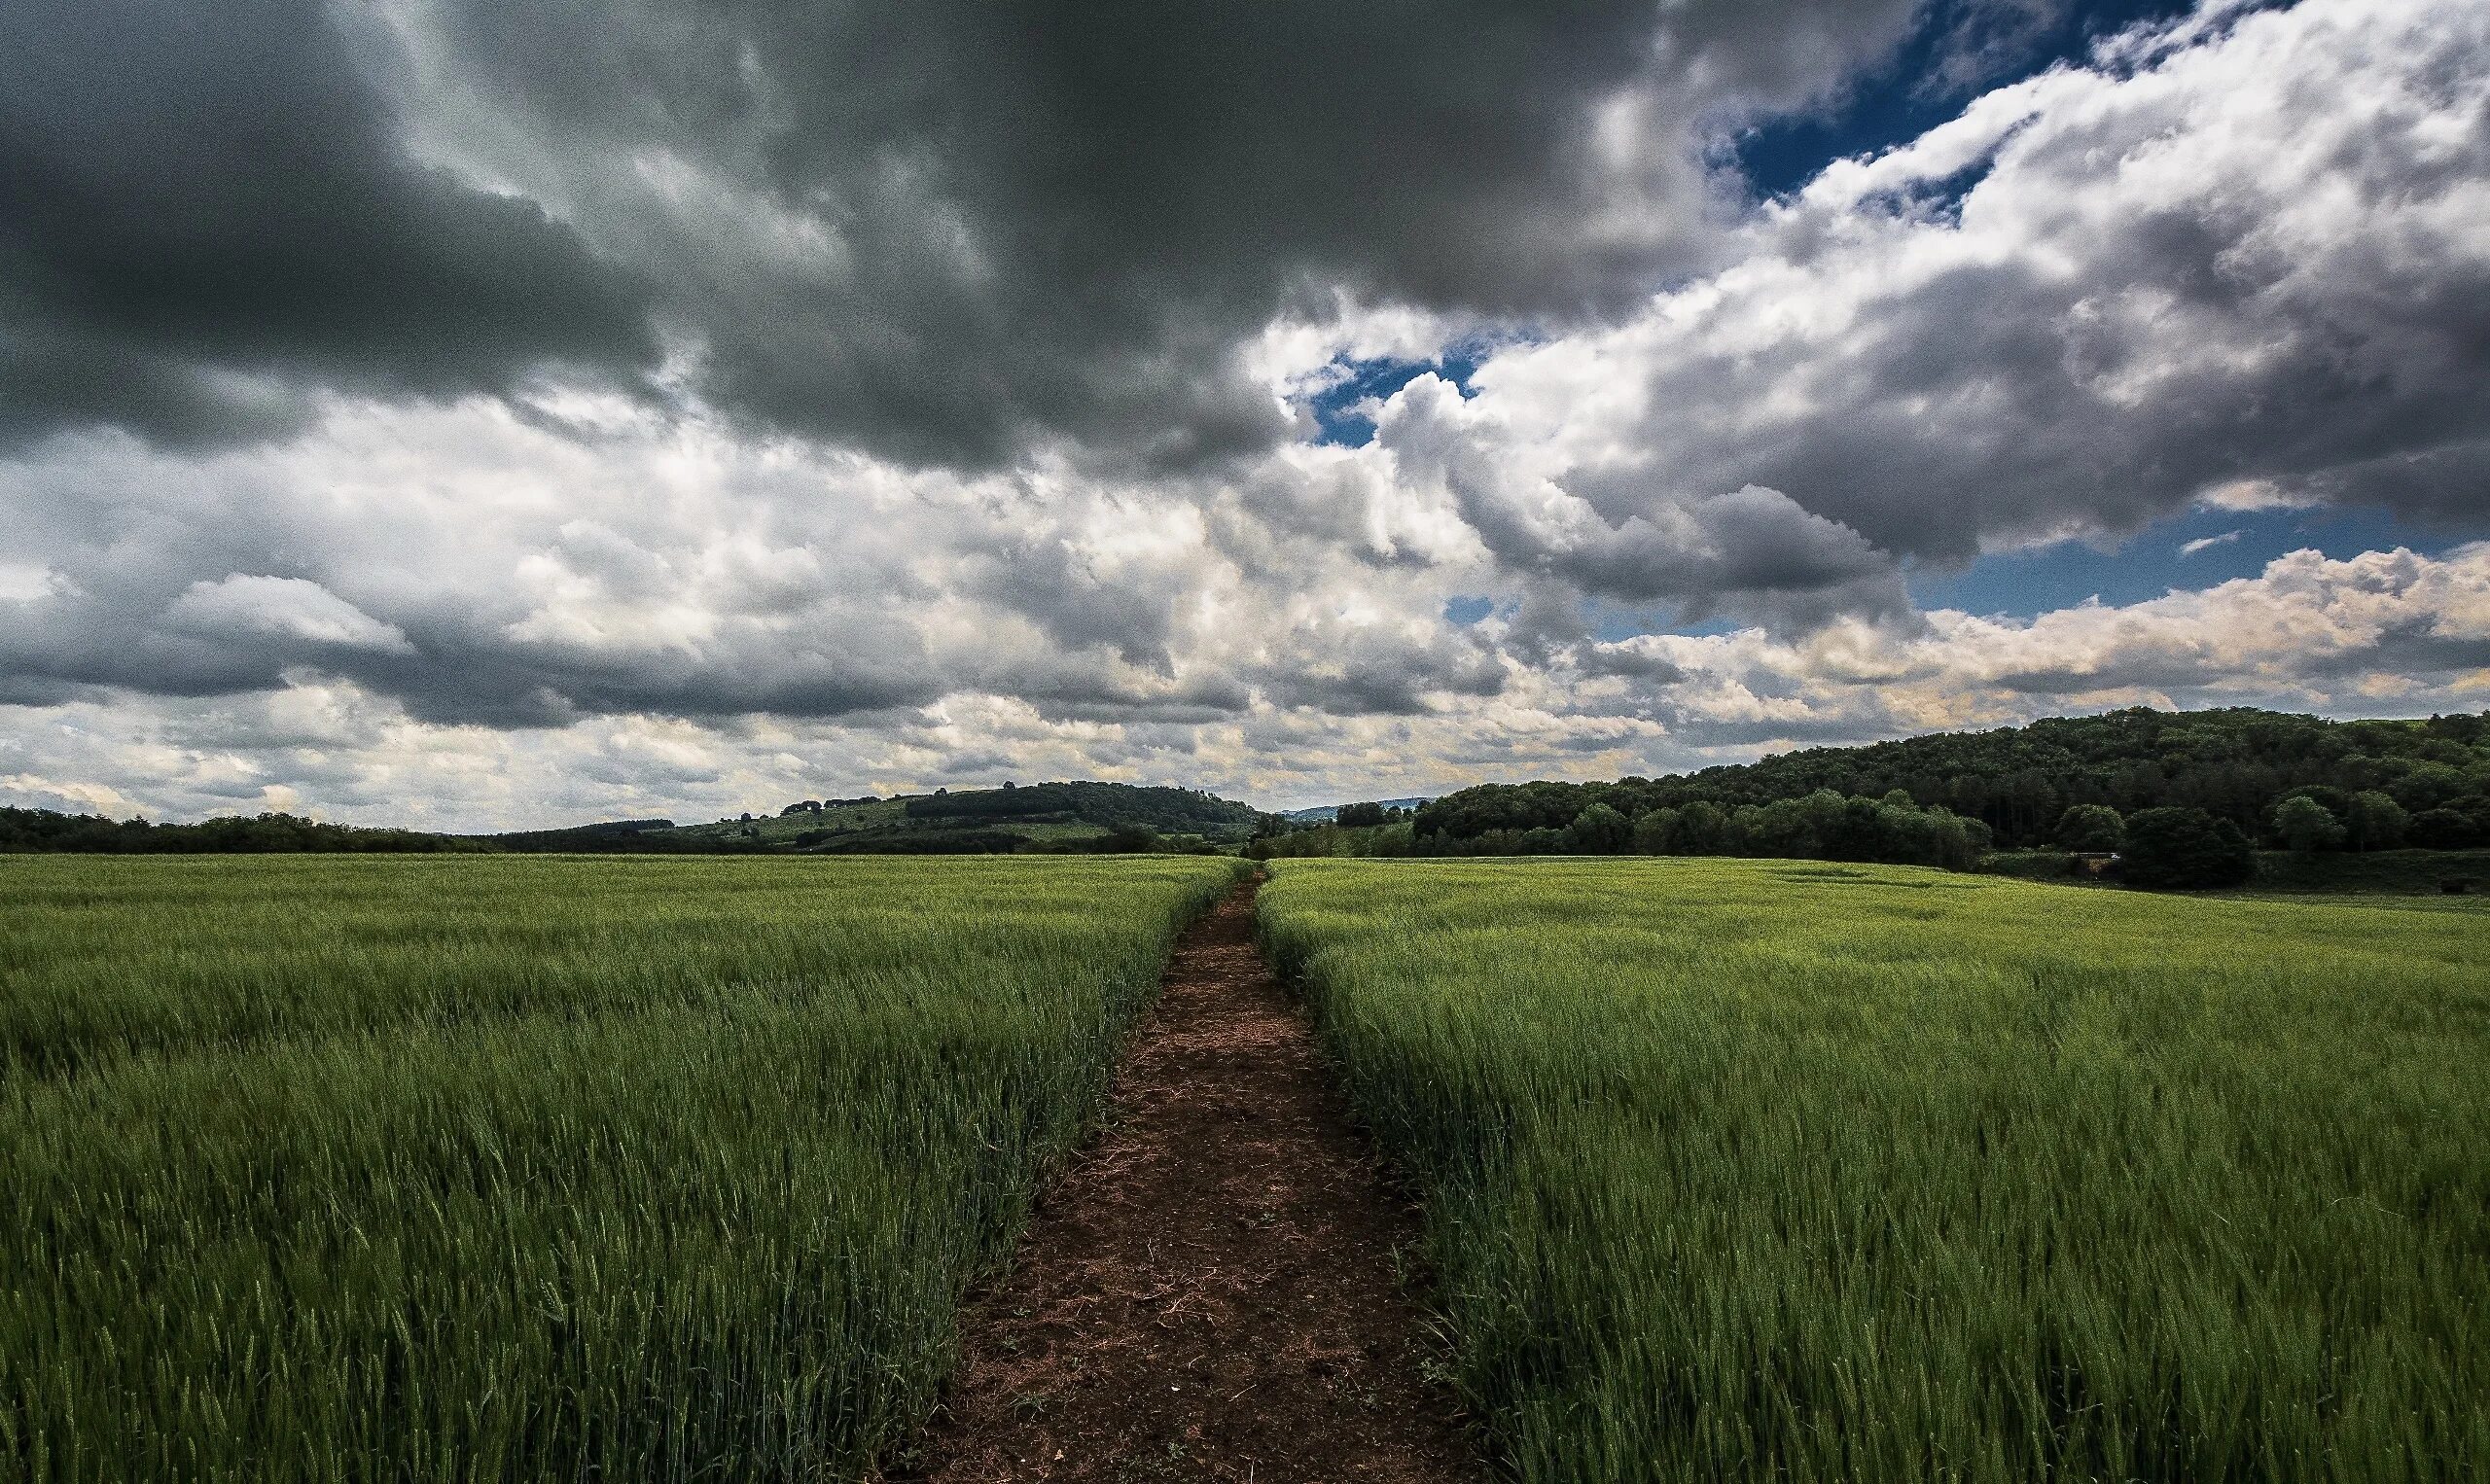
{"x":2178,"y":849}
{"x":1653,"y":831}
{"x":1598,"y":830}
{"x":2091,"y":827}
{"x":2304,"y":825}
{"x":2445,"y":828}
{"x":2375,"y":822}
{"x":1701,"y":829}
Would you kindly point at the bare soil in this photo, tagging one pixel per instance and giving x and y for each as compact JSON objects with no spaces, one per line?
{"x":1212,"y":1291}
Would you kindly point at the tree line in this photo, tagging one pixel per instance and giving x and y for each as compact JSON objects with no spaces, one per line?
{"x":1112,"y":805}
{"x":1824,"y":826}
{"x":2181,"y":799}
{"x":2233,"y":764}
{"x":33,"y":831}
{"x":2386,"y":782}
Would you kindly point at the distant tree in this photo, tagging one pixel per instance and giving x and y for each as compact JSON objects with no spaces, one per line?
{"x":2447,"y":828}
{"x":1653,"y":831}
{"x":2337,"y":801}
{"x":1906,"y":835}
{"x":1865,"y":830}
{"x":1359,"y":816}
{"x":2305,"y":825}
{"x":1702,"y":829}
{"x":2091,"y":828}
{"x":1598,"y":830}
{"x":2178,"y":849}
{"x":2429,"y":785}
{"x":1391,"y":841}
{"x":1797,"y":828}
{"x":2374,"y":820}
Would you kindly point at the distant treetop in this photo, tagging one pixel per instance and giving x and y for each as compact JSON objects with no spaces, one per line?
{"x":2235,"y":764}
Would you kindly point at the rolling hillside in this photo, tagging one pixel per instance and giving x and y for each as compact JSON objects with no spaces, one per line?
{"x":2020,"y":780}
{"x":1044,"y":815}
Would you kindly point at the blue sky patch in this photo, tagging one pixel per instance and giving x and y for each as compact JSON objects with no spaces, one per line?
{"x":1335,"y":408}
{"x":2226,"y":545}
{"x":1958,"y":48}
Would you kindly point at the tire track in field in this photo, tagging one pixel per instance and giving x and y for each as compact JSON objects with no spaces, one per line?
{"x":1209,"y":1293}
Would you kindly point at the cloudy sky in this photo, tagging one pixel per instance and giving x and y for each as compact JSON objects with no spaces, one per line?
{"x":468,"y":414}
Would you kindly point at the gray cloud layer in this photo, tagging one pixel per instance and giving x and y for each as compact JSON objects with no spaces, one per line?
{"x":792,"y":397}
{"x":205,"y":210}
{"x":940,"y":234}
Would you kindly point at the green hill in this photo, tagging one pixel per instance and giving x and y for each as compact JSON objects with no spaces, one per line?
{"x":1037,"y":817}
{"x":2020,"y":780}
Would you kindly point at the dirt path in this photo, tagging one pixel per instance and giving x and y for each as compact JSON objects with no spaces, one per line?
{"x":1209,"y":1293}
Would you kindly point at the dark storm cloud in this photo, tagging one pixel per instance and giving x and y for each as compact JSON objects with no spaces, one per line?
{"x":205,"y":211}
{"x":1617,"y":659}
{"x":1030,"y":222}
{"x":1022,"y":224}
{"x":124,"y":635}
{"x":741,"y":675}
{"x":1996,"y":398}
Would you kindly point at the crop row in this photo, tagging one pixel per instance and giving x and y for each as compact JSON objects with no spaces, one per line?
{"x":535,"y":1169}
{"x":1769,"y":1170}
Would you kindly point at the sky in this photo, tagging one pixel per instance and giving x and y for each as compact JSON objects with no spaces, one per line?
{"x":467,"y":416}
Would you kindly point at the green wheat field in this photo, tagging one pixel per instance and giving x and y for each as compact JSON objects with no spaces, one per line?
{"x":330,"y":1168}
{"x":633,"y":1168}
{"x":1755,"y":1170}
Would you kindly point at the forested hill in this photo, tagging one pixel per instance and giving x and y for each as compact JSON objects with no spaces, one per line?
{"x":2235,"y":763}
{"x":1108,"y":805}
{"x":1038,"y":816}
